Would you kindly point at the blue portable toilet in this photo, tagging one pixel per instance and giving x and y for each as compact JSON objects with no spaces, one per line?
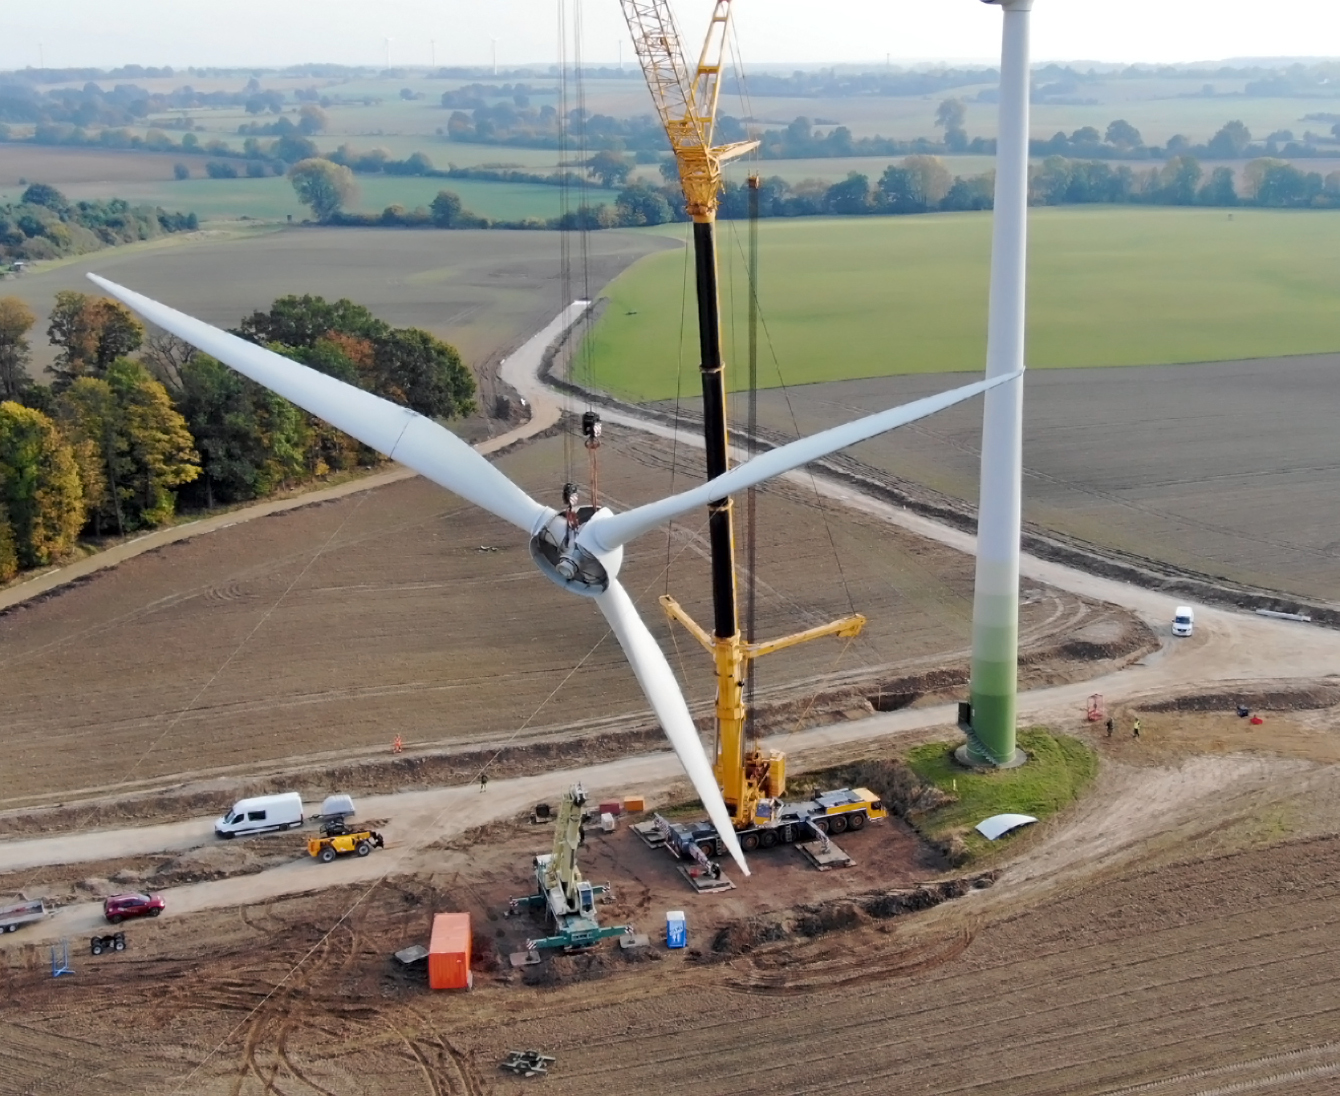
{"x":676,"y":929}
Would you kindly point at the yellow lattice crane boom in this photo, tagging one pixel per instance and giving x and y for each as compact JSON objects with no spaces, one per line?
{"x":687,"y":103}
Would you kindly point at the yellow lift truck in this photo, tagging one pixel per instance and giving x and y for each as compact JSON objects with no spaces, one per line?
{"x":336,"y":841}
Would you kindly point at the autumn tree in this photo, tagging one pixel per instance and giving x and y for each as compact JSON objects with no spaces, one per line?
{"x":250,"y":441}
{"x":41,"y":500}
{"x":9,"y":556}
{"x":16,"y":319}
{"x":322,"y":185}
{"x":407,"y":365}
{"x":425,"y":373}
{"x":139,"y":442}
{"x":161,"y":450}
{"x":91,"y":333}
{"x":91,"y":418}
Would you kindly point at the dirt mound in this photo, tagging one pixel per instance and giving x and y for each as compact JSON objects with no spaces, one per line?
{"x":1311,"y":698}
{"x":840,"y":915}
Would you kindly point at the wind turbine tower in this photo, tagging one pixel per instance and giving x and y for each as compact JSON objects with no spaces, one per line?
{"x":995,"y":615}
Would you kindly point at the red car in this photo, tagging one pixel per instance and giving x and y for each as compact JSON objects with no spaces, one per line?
{"x":120,"y":906}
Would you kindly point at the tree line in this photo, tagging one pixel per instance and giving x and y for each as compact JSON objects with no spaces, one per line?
{"x":43,"y":224}
{"x":133,"y":425}
{"x":917,"y":184}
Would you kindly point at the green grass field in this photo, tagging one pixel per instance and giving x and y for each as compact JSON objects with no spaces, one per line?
{"x":272,"y":198}
{"x":1059,"y":769}
{"x":864,"y":297}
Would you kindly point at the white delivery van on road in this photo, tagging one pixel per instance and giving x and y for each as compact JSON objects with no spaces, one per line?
{"x":261,"y":814}
{"x":1184,"y":620}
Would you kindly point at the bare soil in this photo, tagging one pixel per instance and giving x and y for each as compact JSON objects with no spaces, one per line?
{"x":1156,"y":473}
{"x":1217,"y":965}
{"x":310,"y":640}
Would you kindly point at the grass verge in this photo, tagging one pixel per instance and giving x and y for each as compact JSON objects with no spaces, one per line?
{"x":1059,"y":769}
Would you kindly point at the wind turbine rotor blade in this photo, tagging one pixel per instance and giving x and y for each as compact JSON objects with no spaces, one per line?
{"x":403,"y":435}
{"x":667,"y":701}
{"x":610,"y":532}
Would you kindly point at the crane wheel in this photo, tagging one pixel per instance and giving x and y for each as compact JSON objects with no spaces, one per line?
{"x":749,"y":842}
{"x":767,"y":839}
{"x":837,"y":824}
{"x":856,"y":821}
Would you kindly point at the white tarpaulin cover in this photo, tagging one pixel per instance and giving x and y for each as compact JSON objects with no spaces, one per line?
{"x":999,"y":824}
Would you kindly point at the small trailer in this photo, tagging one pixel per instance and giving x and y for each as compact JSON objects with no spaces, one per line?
{"x":21,"y":913}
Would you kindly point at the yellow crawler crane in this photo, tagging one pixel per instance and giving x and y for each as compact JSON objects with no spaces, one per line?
{"x":750,"y":778}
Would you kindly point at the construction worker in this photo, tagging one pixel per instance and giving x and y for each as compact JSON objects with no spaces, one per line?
{"x":484,"y":780}
{"x":1135,"y":731}
{"x":1110,"y":726}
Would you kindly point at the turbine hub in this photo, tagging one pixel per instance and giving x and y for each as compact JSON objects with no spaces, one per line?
{"x":555,"y":549}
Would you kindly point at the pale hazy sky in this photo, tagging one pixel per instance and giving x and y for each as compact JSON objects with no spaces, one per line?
{"x":105,"y":33}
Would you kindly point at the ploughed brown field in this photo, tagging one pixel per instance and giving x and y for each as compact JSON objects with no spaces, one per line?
{"x":1227,"y":469}
{"x":323,"y":633}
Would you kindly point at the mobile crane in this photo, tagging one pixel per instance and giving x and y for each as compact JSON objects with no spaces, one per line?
{"x":569,"y":901}
{"x":751,"y":779}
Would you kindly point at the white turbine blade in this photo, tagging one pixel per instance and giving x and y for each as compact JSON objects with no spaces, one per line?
{"x":608,"y":533}
{"x":403,"y":435}
{"x":667,"y":701}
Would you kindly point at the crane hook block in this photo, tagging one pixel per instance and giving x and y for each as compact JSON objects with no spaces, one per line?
{"x":570,"y":495}
{"x":591,"y":425}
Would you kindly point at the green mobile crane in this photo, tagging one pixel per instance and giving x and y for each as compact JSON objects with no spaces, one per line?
{"x":569,"y":901}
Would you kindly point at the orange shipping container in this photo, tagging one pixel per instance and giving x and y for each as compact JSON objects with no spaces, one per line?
{"x":449,"y":952}
{"x":634,"y":803}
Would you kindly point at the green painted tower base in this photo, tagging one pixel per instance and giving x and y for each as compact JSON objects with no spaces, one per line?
{"x":979,"y":754}
{"x":965,"y":756}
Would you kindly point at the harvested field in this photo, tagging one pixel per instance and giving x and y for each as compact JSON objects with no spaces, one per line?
{"x":1227,"y":470}
{"x":313,"y":637}
{"x":61,"y":167}
{"x":484,"y":292}
{"x":272,"y":198}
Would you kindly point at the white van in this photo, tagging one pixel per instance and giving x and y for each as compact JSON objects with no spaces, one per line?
{"x":261,"y":814}
{"x":1184,"y":620}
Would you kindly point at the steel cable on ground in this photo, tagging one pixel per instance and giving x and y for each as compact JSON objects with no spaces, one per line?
{"x":379,"y":880}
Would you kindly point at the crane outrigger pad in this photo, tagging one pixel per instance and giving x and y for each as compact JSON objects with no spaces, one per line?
{"x":703,"y":883}
{"x":824,"y":855}
{"x":650,"y":833}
